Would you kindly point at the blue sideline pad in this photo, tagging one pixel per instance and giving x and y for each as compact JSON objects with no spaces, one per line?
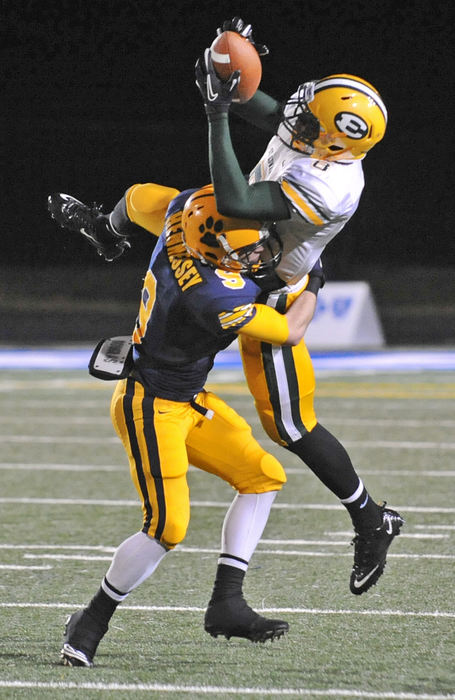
{"x":350,"y":361}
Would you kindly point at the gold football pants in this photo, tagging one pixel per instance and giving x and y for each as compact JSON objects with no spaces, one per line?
{"x":281,"y":380}
{"x":162,"y":437}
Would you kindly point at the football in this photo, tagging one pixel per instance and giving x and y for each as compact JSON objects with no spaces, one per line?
{"x":230,"y":52}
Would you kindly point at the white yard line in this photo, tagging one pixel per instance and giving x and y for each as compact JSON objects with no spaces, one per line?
{"x":302,"y":471}
{"x":103,"y":419}
{"x":225,"y":690}
{"x":348,"y":534}
{"x":388,"y":444}
{"x":52,"y":403}
{"x":123,"y":503}
{"x":274,"y":611}
{"x":58,"y":439}
{"x":403,"y":535}
{"x":18,"y":567}
{"x":182,"y":549}
{"x":435,"y":527}
{"x":400,"y":444}
{"x":77,"y":547}
{"x":59,"y":420}
{"x":432,"y":473}
{"x":25,"y":466}
{"x":294,"y":542}
{"x":399,"y":422}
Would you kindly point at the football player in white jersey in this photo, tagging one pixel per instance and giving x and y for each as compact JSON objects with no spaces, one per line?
{"x":309,"y":182}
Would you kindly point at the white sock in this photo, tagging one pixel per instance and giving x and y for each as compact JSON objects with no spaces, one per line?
{"x":243,"y":526}
{"x":134,"y":561}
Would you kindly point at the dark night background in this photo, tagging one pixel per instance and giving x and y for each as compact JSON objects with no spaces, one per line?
{"x":100,"y":95}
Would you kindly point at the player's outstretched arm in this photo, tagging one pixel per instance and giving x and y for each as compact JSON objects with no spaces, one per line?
{"x":237,"y":24}
{"x":234,"y":197}
{"x":261,"y":110}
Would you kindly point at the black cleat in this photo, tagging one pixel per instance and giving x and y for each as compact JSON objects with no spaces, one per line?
{"x":75,"y":216}
{"x":233,"y":617}
{"x":371,"y":550}
{"x":80,"y":641}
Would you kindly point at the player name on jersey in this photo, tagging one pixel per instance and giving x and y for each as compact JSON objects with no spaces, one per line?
{"x":183,"y":267}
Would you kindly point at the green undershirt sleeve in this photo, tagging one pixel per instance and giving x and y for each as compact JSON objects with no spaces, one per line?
{"x":261,"y":110}
{"x":263,"y":201}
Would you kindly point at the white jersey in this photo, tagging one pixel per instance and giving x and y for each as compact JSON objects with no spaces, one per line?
{"x":322,"y":195}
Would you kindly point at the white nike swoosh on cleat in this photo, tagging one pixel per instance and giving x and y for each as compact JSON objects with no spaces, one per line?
{"x":88,"y":235}
{"x":389,"y":529}
{"x":359,"y":584}
{"x":68,"y":652}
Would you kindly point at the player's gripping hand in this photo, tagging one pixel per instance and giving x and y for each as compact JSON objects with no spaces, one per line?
{"x":216,"y":93}
{"x":236,"y":24}
{"x":316,"y":278}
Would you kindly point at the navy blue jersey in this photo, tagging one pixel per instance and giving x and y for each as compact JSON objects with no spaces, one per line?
{"x":189,"y":311}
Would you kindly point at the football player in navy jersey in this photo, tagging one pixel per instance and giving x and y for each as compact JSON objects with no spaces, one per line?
{"x":199,"y":293}
{"x":309,"y":182}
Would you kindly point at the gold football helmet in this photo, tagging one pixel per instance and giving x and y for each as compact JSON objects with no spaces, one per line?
{"x":225,"y":242}
{"x":340,"y":117}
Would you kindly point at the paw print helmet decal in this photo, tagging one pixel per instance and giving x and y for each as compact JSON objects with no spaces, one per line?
{"x":236,"y":245}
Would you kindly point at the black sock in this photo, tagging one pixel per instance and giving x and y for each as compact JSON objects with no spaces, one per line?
{"x":365,"y":513}
{"x":120,"y":222}
{"x":330,"y":462}
{"x":102,"y":607}
{"x":104,"y":231}
{"x":228,"y":582}
{"x":328,"y":459}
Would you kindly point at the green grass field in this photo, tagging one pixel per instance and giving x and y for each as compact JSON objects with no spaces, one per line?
{"x":66,"y":502}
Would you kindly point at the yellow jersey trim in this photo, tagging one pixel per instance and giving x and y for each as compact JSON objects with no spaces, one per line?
{"x":228,"y":319}
{"x":301,"y":204}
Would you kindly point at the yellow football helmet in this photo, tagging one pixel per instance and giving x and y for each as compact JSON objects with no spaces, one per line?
{"x":225,"y":242}
{"x":340,"y":117}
